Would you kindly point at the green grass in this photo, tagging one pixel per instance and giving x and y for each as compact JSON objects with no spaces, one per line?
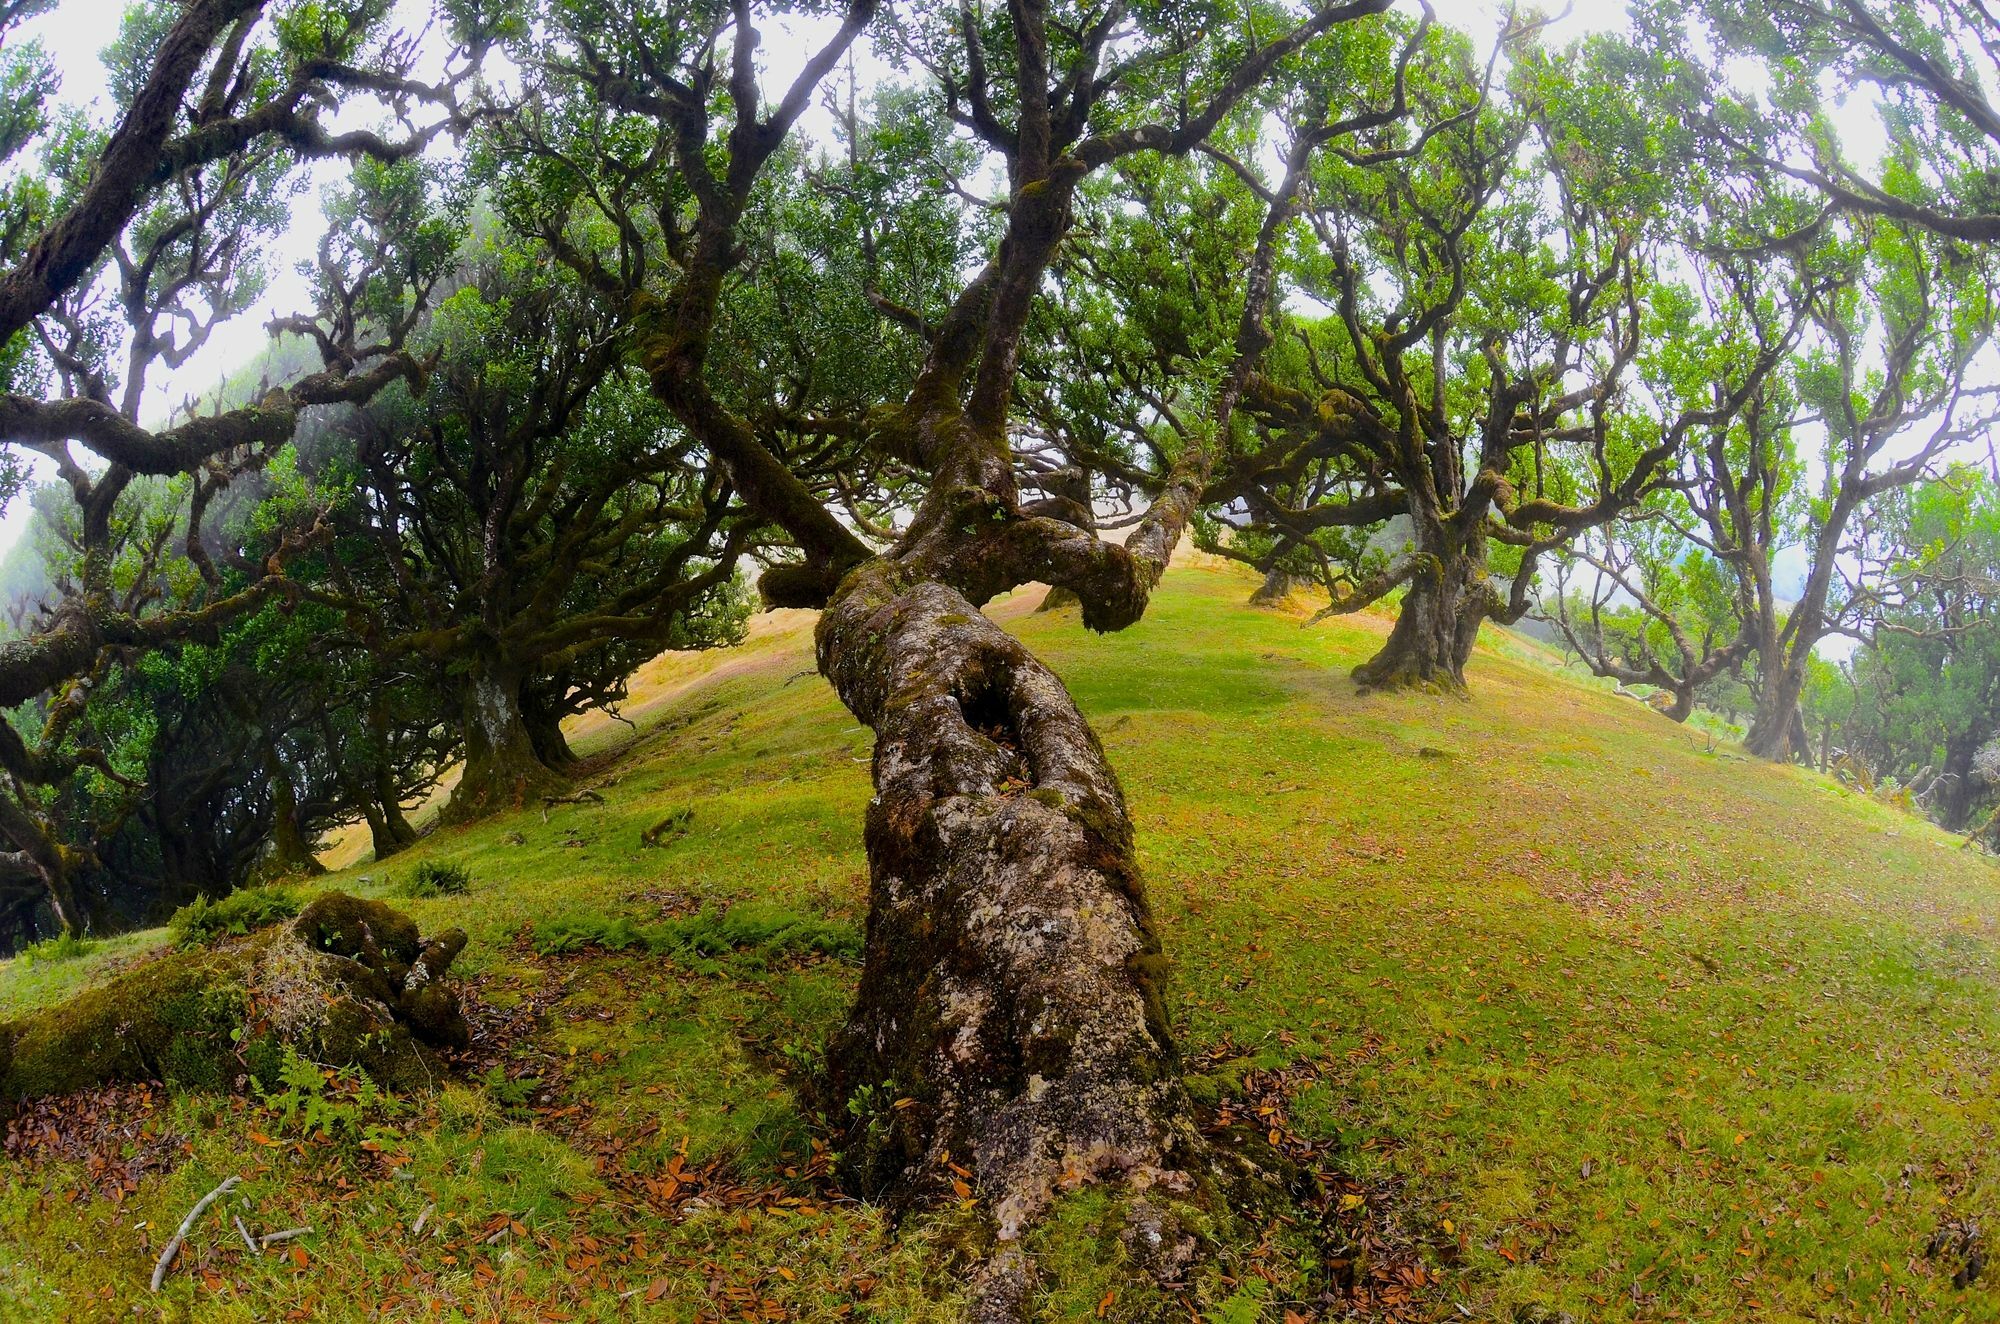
{"x":1650,"y":1030}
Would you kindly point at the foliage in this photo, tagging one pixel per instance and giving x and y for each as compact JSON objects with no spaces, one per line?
{"x":204,"y":922}
{"x":754,"y":930}
{"x":51,"y":951}
{"x":1411,"y":954}
{"x":435,"y":878}
{"x":309,"y":1100}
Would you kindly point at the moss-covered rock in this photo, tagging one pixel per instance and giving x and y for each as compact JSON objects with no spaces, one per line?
{"x":348,"y":983}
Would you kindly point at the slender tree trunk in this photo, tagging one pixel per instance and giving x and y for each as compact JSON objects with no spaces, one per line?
{"x":379,"y":836}
{"x":63,"y":904}
{"x":1439,"y":621}
{"x":291,"y":854}
{"x":501,"y":770}
{"x":397,"y":831}
{"x":1010,"y":984}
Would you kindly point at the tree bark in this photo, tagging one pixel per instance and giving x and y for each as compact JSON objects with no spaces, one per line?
{"x":1960,"y":792}
{"x":501,"y":770}
{"x":1277,"y":584}
{"x":1777,"y":730}
{"x":545,"y":733}
{"x":291,"y":854}
{"x":1439,"y":621}
{"x":1009,"y":1014}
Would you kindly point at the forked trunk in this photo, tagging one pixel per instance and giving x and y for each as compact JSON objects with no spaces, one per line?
{"x":501,"y":768}
{"x":395,"y":823}
{"x":1436,"y":627}
{"x":1777,"y":730}
{"x":1008,"y":1018}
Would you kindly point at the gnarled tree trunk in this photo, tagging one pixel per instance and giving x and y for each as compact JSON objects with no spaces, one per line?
{"x":1277,"y":585}
{"x":1777,"y":729}
{"x":545,"y":733}
{"x":1960,"y":792}
{"x":502,"y":769}
{"x":1438,"y":622}
{"x":291,"y":854}
{"x":1010,"y":984}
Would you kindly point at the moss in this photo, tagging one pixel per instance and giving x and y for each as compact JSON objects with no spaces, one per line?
{"x":350,"y":925}
{"x":171,"y":1019}
{"x":241,"y":912}
{"x":330,"y":986}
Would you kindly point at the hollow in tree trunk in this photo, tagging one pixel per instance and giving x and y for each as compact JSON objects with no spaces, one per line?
{"x":501,"y":769}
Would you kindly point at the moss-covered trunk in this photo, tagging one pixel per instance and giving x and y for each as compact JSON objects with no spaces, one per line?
{"x":1777,"y":729}
{"x":502,"y":769}
{"x":291,"y":854}
{"x":1008,"y":1014}
{"x":545,"y":734}
{"x":1438,"y":622}
{"x":349,"y":982}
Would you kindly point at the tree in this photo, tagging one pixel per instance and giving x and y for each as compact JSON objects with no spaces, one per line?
{"x":1928,"y":678}
{"x":211,"y":102}
{"x":1499,"y":368}
{"x":534,"y":525}
{"x":1929,"y":62}
{"x":1010,"y":981}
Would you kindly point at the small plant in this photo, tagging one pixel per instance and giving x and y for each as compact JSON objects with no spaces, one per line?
{"x":758,"y":930}
{"x":434,"y":879}
{"x":62,"y":947}
{"x":324,"y":1101}
{"x":573,"y":933}
{"x":512,"y":1095}
{"x":204,"y":921}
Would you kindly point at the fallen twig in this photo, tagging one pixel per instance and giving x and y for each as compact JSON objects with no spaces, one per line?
{"x":581,"y":797}
{"x":667,"y":829}
{"x":187,"y":1224}
{"x":271,"y":1239}
{"x":244,"y":1233}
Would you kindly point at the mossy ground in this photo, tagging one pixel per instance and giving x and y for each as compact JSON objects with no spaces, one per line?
{"x":1609,"y":1024}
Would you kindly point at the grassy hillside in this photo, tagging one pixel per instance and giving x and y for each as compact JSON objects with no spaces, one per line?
{"x":1580,"y":1016}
